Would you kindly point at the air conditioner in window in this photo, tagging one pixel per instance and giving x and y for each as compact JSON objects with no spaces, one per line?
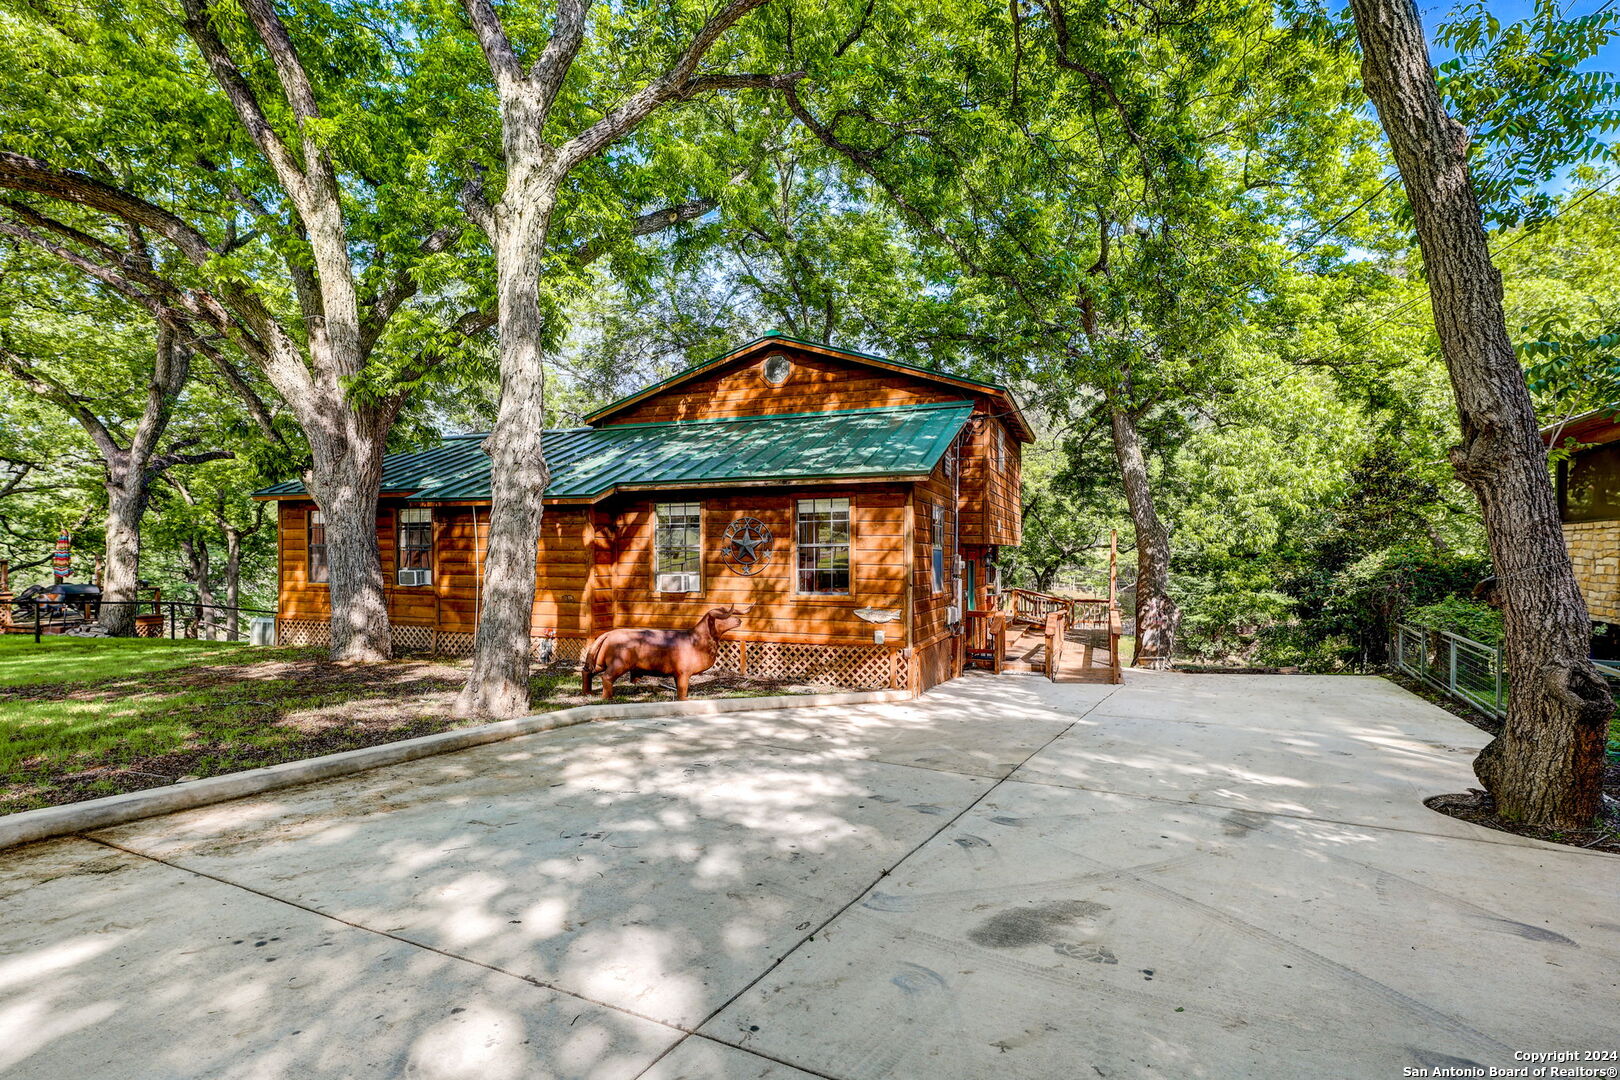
{"x":416,"y":577}
{"x":678,"y":583}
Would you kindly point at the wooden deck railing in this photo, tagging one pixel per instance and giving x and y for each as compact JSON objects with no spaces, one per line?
{"x":1027,"y":605}
{"x":1057,"y":615}
{"x":1091,"y":614}
{"x":1082,"y":613}
{"x":987,"y":640}
{"x":1116,"y":674}
{"x":1056,"y":628}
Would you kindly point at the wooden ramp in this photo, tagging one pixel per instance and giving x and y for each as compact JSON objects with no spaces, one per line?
{"x":1026,"y":629}
{"x":1084,"y":658}
{"x":1053,"y":646}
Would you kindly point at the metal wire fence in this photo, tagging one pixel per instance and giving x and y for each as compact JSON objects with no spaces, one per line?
{"x":1469,"y":671}
{"x":1461,"y":667}
{"x":151,"y":618}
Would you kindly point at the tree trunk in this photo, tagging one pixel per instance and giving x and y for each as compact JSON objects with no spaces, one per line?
{"x":498,"y":685}
{"x":1157,"y":617}
{"x":129,"y":481}
{"x":517,"y":227}
{"x":233,"y":581}
{"x":344,"y":480}
{"x":1546,"y":767}
{"x":198,"y":570}
{"x":127,"y":493}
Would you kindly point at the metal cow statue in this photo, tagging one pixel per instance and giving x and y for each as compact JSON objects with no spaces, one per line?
{"x":681,"y":653}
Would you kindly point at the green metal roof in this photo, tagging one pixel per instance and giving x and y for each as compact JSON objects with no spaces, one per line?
{"x":413,"y":471}
{"x":587,"y":463}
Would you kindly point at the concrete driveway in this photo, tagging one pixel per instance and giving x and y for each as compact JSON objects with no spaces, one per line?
{"x":1187,"y":876}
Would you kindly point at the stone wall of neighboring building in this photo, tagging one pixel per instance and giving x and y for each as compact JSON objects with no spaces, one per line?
{"x":1594,"y":547}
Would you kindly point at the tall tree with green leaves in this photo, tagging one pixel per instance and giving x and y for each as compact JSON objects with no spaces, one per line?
{"x":1562,"y":279}
{"x":277,"y":171}
{"x":109,"y":368}
{"x":795,"y":251}
{"x":567,"y":93}
{"x":1546,"y":766}
{"x":1116,"y":187}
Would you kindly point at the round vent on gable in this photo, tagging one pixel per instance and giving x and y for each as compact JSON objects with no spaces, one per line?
{"x":777,"y":368}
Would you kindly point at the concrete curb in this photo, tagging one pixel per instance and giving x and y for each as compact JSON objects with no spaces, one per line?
{"x":31,"y":825}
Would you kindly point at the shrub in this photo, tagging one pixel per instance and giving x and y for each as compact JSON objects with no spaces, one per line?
{"x":1462,"y":616}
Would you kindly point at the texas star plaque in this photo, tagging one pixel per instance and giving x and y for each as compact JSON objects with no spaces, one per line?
{"x":745,"y":546}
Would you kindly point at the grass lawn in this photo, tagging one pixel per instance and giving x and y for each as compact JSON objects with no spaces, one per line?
{"x":86,"y":717}
{"x":66,"y":659}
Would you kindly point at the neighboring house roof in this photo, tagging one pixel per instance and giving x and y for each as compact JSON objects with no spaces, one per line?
{"x":1014,"y":416}
{"x":1596,"y":428}
{"x":589,"y":463}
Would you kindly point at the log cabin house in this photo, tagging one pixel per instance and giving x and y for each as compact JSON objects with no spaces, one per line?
{"x":856,"y":502}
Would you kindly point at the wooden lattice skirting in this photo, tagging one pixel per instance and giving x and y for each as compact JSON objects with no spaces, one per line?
{"x":412,"y":639}
{"x":303,"y":632}
{"x":861,"y":667}
{"x":426,"y":640}
{"x":454,"y":643}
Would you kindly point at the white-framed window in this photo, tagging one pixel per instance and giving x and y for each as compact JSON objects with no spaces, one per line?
{"x":318,"y":568}
{"x":1001,"y":449}
{"x":822,"y":535}
{"x":936,"y":540}
{"x":415,"y":546}
{"x":678,"y":547}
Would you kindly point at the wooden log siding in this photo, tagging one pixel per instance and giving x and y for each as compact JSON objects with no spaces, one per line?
{"x":595,"y":568}
{"x":991,"y":498}
{"x":931,"y":636}
{"x":815,"y":384}
{"x":780,"y":613}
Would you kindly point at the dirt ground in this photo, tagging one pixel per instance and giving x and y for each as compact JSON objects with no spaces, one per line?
{"x":82,"y":740}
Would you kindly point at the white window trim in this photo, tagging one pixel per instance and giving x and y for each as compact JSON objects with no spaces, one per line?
{"x":316,"y":518}
{"x":849,"y":546}
{"x":420,"y":578}
{"x":938,"y":573}
{"x":658,"y":570}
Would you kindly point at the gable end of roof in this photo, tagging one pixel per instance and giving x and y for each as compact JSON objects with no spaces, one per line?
{"x":1014,"y":415}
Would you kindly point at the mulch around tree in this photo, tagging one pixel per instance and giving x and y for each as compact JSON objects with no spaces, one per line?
{"x":1476,"y":805}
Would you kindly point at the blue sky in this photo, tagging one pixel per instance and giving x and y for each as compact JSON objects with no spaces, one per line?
{"x":1515,"y":10}
{"x":1510,"y":11}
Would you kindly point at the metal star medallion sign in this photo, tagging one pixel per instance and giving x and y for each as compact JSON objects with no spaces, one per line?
{"x":745,"y":546}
